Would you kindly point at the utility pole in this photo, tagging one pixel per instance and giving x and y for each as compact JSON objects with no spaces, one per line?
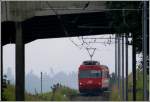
{"x":126,"y":40}
{"x":145,"y":51}
{"x":123,"y":67}
{"x":134,"y":66}
{"x":116,"y":60}
{"x":41,"y":82}
{"x":119,"y":63}
{"x":125,"y":44}
{"x":121,"y":97}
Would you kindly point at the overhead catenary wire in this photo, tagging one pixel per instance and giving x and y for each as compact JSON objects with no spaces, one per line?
{"x":83,"y":41}
{"x":62,"y":24}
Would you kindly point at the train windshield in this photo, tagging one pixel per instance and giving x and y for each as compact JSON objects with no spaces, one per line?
{"x":89,"y":74}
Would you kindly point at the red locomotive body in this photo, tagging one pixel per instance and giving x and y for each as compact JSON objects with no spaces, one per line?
{"x":93,"y":77}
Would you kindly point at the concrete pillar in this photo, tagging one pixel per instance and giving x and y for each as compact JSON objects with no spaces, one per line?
{"x":1,"y":71}
{"x":20,"y":67}
{"x":145,"y":33}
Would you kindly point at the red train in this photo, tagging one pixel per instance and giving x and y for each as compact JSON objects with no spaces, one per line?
{"x":93,"y":77}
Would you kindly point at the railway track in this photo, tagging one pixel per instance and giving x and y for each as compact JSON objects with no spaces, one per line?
{"x":104,"y":96}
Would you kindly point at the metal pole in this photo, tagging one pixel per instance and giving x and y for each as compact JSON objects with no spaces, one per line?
{"x":126,"y":67}
{"x":116,"y":59}
{"x":2,"y":73}
{"x":119,"y":64}
{"x":134,"y":66}
{"x":20,"y":70}
{"x":41,"y":82}
{"x":123,"y":67}
{"x":145,"y":50}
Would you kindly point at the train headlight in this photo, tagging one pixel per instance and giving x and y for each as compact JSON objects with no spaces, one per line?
{"x":99,"y":83}
{"x":80,"y":83}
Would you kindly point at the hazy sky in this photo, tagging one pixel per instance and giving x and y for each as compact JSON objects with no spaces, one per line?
{"x":60,"y":54}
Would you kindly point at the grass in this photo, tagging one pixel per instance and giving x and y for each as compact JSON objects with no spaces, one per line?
{"x":61,"y":94}
{"x":64,"y":94}
{"x":115,"y":94}
{"x":139,"y":86}
{"x":9,"y":93}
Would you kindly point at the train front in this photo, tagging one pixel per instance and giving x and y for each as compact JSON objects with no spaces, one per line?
{"x":89,"y":77}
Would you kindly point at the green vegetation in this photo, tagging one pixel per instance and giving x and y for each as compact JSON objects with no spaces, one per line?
{"x":61,"y":94}
{"x":115,"y":96}
{"x":139,"y":85}
{"x":9,"y":93}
